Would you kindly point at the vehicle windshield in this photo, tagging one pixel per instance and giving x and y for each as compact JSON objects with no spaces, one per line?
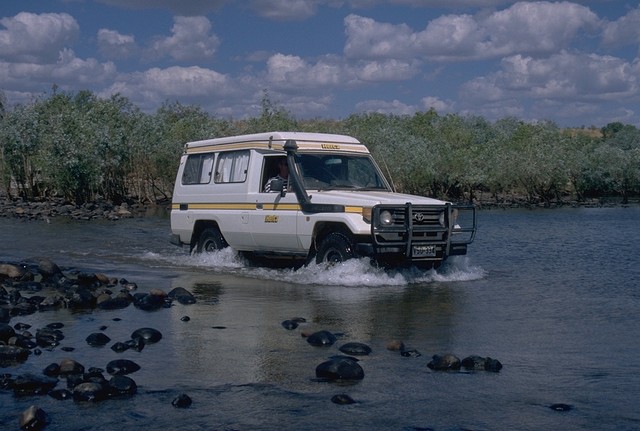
{"x":340,"y":171}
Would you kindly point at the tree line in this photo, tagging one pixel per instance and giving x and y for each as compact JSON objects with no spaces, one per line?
{"x":81,"y":147}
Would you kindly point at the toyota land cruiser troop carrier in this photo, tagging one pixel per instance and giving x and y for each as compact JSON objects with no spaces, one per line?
{"x":335,"y":204}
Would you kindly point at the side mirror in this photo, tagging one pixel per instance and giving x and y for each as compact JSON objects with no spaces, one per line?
{"x":277,"y":185}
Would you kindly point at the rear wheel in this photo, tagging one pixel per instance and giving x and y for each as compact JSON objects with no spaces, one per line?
{"x":210,"y":240}
{"x":334,"y":248}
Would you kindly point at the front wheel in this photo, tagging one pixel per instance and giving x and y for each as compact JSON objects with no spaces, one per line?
{"x":334,"y":248}
{"x":210,"y":240}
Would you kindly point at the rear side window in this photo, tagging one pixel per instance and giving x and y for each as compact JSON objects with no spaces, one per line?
{"x":197,"y":169}
{"x":232,"y":167}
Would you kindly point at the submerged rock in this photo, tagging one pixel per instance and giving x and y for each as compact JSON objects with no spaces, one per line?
{"x":478,"y":363}
{"x":182,"y":401}
{"x":149,"y":335}
{"x":121,"y":385}
{"x":33,"y":419}
{"x":182,"y":295}
{"x":97,"y":339}
{"x":119,"y":367}
{"x":89,"y":391}
{"x":356,"y":349}
{"x":444,"y":362}
{"x":340,"y":368}
{"x":342,"y":399}
{"x":321,"y":338}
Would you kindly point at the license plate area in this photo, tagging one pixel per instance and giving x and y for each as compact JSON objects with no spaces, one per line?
{"x":424,"y":251}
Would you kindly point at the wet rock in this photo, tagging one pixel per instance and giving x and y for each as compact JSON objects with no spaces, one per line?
{"x":48,"y":268}
{"x":340,"y":368}
{"x":21,"y":326}
{"x":13,"y":354}
{"x":6,"y":332}
{"x":121,"y":385}
{"x":185,"y":318}
{"x":31,"y":384}
{"x":106,"y":302}
{"x":12,"y":271}
{"x":136,"y":344}
{"x":321,"y":338}
{"x":356,"y":349}
{"x":119,"y":347}
{"x":33,"y":419}
{"x":89,"y":391}
{"x":289,"y":324}
{"x":5,"y":315}
{"x":48,"y":337}
{"x":182,"y":295}
{"x":444,"y":362}
{"x":149,"y":335}
{"x":478,"y":363}
{"x":410,"y":353}
{"x":395,"y":345}
{"x":6,"y":381}
{"x":561,"y":407}
{"x":70,"y":367}
{"x":119,"y":367}
{"x":342,"y":399}
{"x":52,"y":370}
{"x":148,"y":302}
{"x":182,"y":401}
{"x":81,"y":299}
{"x":97,"y":339}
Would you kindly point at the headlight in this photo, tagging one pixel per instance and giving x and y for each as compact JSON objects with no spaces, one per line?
{"x":386,"y":218}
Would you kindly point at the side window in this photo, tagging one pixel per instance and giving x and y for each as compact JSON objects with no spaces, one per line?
{"x":197,"y":169}
{"x":232,"y":167}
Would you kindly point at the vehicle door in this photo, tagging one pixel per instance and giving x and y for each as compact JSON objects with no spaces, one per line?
{"x":273,"y":223}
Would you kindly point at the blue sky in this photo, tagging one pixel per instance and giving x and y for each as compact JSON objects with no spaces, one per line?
{"x":574,"y":62}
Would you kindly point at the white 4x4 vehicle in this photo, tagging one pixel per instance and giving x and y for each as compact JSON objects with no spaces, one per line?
{"x":334,"y":205}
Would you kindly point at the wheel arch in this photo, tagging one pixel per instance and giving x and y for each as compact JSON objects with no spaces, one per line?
{"x":198,"y":227}
{"x":322,"y":229}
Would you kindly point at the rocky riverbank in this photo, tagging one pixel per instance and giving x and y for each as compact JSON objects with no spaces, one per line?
{"x":45,"y":210}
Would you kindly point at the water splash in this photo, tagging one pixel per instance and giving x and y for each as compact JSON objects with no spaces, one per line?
{"x":352,"y":273}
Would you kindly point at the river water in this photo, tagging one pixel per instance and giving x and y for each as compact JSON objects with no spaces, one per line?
{"x":553,"y":295}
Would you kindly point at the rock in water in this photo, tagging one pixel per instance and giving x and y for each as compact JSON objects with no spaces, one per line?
{"x":356,"y":349}
{"x":445,"y":362}
{"x":97,"y":339}
{"x":340,"y":368}
{"x":321,"y":338}
{"x":120,"y":367}
{"x":182,"y":401}
{"x":149,"y":335}
{"x":33,"y":419}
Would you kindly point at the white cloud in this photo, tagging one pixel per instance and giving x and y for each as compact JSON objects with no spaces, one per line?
{"x":562,"y":80}
{"x":293,"y":72}
{"x":115,"y":45}
{"x":191,"y":40}
{"x":623,"y":31}
{"x":190,"y":85}
{"x":395,"y":107}
{"x":525,"y":27}
{"x":68,"y":72}
{"x":36,"y":38}
{"x":441,"y":106}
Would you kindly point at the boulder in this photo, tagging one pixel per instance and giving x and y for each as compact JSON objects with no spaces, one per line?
{"x":340,"y":368}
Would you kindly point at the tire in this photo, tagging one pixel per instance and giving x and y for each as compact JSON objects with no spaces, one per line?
{"x":210,"y":240}
{"x":334,"y":248}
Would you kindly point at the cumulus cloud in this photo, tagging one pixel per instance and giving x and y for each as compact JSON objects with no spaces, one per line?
{"x":191,"y":41}
{"x":385,"y":107}
{"x":561,"y":79}
{"x":36,"y":38}
{"x":195,"y":85}
{"x":290,"y":71}
{"x":623,"y":31}
{"x":115,"y":45}
{"x":67,"y":71}
{"x":441,"y":106}
{"x":525,"y":27}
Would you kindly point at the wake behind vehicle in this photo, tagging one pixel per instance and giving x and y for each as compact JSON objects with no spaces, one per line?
{"x":334,"y":205}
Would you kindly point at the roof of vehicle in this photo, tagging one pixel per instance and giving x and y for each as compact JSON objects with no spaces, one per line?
{"x":276,"y":140}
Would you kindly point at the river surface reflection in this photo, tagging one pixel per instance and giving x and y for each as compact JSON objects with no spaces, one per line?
{"x":551,"y":294}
